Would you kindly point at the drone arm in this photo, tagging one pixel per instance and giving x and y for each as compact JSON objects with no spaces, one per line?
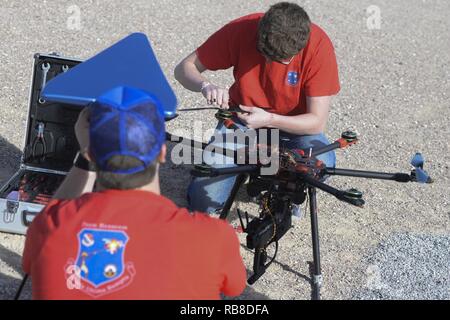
{"x":348,"y":138}
{"x":399,"y":177}
{"x":207,"y":171}
{"x":234,"y":170}
{"x":328,"y":148}
{"x":237,"y":155}
{"x":341,"y":195}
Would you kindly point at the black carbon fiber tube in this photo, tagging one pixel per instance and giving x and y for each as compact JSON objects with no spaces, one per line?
{"x":399,"y":177}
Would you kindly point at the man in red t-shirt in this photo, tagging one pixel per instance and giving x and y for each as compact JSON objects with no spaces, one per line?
{"x":126,"y":241}
{"x":285,"y":75}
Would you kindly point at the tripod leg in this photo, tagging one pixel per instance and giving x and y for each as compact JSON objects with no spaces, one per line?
{"x":317,"y":273}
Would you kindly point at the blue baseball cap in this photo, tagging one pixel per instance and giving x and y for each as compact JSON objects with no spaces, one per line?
{"x":128,"y":122}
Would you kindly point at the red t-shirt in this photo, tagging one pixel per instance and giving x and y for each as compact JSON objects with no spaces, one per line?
{"x":280,"y":88}
{"x":130,"y":245}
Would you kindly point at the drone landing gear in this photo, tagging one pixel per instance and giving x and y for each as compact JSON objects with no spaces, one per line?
{"x":240,"y":179}
{"x":317,"y":273}
{"x":261,"y":258}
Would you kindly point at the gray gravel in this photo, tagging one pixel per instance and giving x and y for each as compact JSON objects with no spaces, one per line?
{"x":407,"y":266}
{"x":395,"y":93}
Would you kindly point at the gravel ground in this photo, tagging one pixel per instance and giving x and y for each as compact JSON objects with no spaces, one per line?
{"x":402,"y":257}
{"x":395,"y":93}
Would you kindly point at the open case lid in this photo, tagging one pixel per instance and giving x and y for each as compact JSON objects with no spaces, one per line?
{"x":54,"y":119}
{"x":130,"y":62}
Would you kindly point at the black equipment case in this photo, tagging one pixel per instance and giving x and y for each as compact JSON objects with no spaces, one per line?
{"x":50,"y":147}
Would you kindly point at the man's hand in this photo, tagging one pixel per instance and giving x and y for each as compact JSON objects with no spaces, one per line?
{"x":215,"y":95}
{"x":256,"y":117}
{"x":82,"y":131}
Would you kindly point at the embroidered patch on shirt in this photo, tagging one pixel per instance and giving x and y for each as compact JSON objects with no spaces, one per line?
{"x":292,"y":78}
{"x":99,"y":267}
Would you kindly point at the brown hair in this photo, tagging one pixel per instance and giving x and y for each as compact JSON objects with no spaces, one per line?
{"x":110,"y":180}
{"x":283,"y":31}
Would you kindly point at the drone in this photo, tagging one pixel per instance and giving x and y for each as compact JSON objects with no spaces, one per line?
{"x":299,"y":176}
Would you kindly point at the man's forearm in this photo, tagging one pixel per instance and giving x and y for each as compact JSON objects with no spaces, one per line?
{"x":188,"y":75}
{"x":312,"y":122}
{"x":77,"y":182}
{"x":305,"y":124}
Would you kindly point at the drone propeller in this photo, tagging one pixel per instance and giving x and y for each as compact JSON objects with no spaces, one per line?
{"x":421,"y":175}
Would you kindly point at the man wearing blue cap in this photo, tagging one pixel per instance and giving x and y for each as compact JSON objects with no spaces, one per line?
{"x":125,"y":240}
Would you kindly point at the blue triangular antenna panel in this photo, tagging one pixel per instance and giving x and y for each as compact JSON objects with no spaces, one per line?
{"x":130,"y":62}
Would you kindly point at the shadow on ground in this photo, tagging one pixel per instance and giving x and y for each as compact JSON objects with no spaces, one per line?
{"x":9,"y":284}
{"x":9,"y":159}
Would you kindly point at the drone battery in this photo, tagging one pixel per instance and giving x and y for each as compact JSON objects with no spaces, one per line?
{"x":50,"y":147}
